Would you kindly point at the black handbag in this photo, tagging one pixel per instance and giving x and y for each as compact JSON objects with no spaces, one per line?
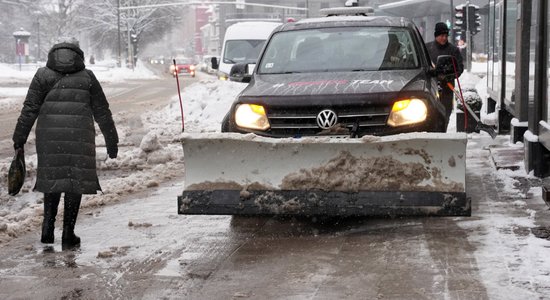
{"x":16,"y":173}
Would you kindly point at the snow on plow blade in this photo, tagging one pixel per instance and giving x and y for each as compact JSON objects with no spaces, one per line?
{"x":406,"y":174}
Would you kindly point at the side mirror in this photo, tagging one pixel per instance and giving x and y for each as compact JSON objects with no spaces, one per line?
{"x":445,"y":65}
{"x":214,"y":62}
{"x":239,"y":73}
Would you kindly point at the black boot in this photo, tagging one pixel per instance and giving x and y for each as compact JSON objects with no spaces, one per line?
{"x":69,"y":240}
{"x":51,"y":201}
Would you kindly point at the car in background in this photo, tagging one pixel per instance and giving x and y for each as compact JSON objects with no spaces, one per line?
{"x":242,"y":43}
{"x":160,"y":60}
{"x":183,"y":66}
{"x":206,"y":64}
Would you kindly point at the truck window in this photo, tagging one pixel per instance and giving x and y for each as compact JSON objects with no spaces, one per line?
{"x":340,"y":49}
{"x":239,"y":51}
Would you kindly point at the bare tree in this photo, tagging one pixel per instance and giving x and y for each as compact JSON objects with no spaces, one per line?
{"x":96,"y":21}
{"x":101,"y":22}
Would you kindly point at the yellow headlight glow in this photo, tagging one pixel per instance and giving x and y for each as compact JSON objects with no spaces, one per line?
{"x":400,"y":105}
{"x":407,"y":112}
{"x":251,"y":116}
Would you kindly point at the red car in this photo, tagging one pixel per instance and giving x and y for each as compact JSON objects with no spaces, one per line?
{"x":183,"y":67}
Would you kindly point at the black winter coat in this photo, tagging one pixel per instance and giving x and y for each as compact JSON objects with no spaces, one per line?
{"x":435,"y":50}
{"x":66,"y":98}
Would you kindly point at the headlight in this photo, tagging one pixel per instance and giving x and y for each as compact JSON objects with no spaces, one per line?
{"x":223,"y":77}
{"x":251,"y":116}
{"x":191,"y":67}
{"x":406,"y":112}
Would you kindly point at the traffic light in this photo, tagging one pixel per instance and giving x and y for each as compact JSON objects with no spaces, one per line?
{"x":474,"y":19}
{"x":460,"y":18}
{"x":134,"y":37}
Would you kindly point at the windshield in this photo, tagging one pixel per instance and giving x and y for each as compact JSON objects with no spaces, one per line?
{"x":340,"y":49}
{"x":238,"y":51}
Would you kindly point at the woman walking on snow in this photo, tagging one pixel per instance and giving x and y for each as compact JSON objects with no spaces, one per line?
{"x":66,"y":98}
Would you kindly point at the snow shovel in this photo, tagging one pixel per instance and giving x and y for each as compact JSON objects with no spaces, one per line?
{"x":479,"y":124}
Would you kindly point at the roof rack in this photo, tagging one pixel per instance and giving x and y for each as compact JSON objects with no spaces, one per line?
{"x":347,"y":11}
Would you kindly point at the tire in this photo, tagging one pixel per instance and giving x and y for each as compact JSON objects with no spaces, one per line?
{"x":225,"y":124}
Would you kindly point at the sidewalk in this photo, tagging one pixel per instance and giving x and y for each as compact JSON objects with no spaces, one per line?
{"x":513,"y":182}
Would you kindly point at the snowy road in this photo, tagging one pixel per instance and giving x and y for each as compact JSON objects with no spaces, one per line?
{"x":141,"y":249}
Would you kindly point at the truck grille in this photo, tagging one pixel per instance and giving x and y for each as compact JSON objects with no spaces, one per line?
{"x":295,"y":121}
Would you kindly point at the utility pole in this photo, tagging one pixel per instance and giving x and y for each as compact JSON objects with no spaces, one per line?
{"x":118,"y":37}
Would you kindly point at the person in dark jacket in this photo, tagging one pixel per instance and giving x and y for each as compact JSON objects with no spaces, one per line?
{"x":65,"y":98}
{"x":441,"y":46}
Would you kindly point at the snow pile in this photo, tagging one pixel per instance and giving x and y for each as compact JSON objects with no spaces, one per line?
{"x":122,"y":74}
{"x":480,"y":85}
{"x":11,"y":73}
{"x":11,"y":99}
{"x":207,"y":102}
{"x":105,"y":72}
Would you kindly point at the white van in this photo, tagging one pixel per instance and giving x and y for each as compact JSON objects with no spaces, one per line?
{"x":242,"y":43}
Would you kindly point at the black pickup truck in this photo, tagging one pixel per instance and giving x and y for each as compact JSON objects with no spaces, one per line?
{"x":347,"y":74}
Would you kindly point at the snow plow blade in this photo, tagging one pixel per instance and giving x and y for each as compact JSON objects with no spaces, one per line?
{"x":400,"y":175}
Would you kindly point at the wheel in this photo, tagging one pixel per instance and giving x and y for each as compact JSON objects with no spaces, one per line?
{"x":225,"y":123}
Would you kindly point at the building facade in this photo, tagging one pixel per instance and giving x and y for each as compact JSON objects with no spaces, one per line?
{"x":517,"y":76}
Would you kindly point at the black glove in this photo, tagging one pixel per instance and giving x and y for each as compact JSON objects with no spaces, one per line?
{"x":112,"y":151}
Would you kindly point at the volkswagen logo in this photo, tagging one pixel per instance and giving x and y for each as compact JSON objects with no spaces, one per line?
{"x":326,"y":119}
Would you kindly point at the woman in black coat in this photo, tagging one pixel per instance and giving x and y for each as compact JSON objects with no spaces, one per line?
{"x":66,"y":98}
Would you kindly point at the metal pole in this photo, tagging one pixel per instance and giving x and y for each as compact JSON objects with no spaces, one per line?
{"x":38,"y":37}
{"x":468,"y":38}
{"x":452,"y":22}
{"x":18,"y":52}
{"x":118,"y":37}
{"x":129,"y":48}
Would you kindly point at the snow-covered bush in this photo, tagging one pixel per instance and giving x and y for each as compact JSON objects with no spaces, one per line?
{"x":471,"y":97}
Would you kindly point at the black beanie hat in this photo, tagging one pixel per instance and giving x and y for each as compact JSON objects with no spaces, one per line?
{"x":441,"y":28}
